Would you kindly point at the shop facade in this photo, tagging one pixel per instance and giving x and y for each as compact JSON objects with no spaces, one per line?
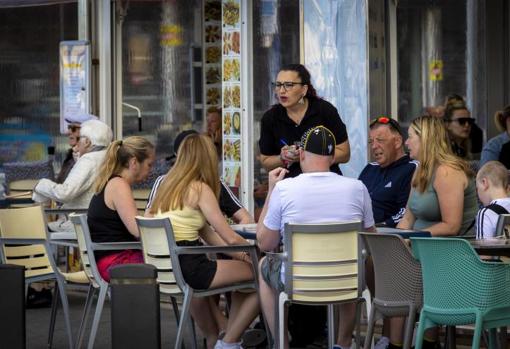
{"x":158,"y":67}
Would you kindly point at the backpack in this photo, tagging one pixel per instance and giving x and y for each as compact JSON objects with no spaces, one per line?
{"x":493,"y":207}
{"x":497,"y":208}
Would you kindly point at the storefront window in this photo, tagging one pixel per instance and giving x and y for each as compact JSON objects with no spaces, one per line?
{"x":162,"y":70}
{"x":431,"y":54}
{"x":276,"y":37}
{"x":29,"y":75}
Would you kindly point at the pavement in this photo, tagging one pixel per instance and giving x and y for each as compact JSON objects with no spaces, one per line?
{"x":37,"y":325}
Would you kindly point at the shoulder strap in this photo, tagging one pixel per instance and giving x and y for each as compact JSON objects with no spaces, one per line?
{"x":497,"y":208}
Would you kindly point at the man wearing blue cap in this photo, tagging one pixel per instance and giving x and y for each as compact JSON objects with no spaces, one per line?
{"x":315,"y":196}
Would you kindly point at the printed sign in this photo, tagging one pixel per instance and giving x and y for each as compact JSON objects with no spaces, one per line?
{"x":74,"y":80}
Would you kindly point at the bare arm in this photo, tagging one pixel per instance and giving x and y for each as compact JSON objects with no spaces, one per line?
{"x":407,"y":222}
{"x":270,"y":162}
{"x":211,"y":237}
{"x":119,"y":197}
{"x":449,"y":185}
{"x":268,"y":239}
{"x":208,"y":204}
{"x":242,"y":216}
{"x":342,"y":153}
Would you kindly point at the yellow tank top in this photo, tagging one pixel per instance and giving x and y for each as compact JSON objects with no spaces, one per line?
{"x":186,"y":222}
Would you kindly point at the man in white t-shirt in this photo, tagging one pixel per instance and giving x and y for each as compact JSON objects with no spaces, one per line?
{"x":315,"y":196}
{"x":492,"y":189}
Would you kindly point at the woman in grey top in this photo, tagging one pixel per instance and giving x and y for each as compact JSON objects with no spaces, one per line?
{"x":443,"y":193}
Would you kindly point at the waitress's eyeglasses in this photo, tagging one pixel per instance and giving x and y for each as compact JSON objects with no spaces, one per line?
{"x":287,"y":85}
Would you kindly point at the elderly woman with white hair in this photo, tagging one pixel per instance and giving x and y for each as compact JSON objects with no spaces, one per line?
{"x":76,"y":191}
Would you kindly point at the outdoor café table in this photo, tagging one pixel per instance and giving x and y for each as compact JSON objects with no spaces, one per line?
{"x":491,"y":247}
{"x":247,"y":231}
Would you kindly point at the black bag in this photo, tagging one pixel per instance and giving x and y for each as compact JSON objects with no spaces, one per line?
{"x":12,"y":306}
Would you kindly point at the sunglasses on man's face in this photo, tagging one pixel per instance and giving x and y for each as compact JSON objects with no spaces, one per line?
{"x":384,"y":120}
{"x":464,"y":121}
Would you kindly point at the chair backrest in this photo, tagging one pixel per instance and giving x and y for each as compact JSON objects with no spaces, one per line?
{"x":322,"y":262}
{"x":141,"y":196}
{"x":454,"y":276}
{"x":397,"y":273}
{"x":503,"y":226}
{"x":25,"y":223}
{"x":88,"y":260}
{"x":153,"y":235}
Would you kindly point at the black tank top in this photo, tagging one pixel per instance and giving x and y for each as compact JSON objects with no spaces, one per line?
{"x":105,"y":224}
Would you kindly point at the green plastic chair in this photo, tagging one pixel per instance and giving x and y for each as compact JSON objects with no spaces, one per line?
{"x":459,"y":288}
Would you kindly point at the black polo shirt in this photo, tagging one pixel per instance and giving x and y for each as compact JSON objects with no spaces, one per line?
{"x":276,"y":127}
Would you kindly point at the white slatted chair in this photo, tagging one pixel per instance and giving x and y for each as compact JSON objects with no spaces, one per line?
{"x":158,"y":238}
{"x":155,"y":252}
{"x":141,"y":196}
{"x":322,"y":266}
{"x":97,"y":284}
{"x":25,"y":227}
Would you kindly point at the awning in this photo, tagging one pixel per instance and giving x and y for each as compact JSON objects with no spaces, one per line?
{"x":26,"y":3}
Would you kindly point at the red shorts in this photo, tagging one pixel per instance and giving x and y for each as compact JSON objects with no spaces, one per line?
{"x":125,"y":257}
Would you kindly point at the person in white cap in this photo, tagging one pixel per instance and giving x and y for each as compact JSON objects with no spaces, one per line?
{"x":76,"y":191}
{"x":73,"y":134}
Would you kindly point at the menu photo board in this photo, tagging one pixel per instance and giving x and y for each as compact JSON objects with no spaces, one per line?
{"x":231,"y":91}
{"x":74,"y":81}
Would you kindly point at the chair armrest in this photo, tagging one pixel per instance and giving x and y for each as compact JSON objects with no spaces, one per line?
{"x":18,"y":241}
{"x":282,"y":256}
{"x":109,"y":246}
{"x":182,"y":250}
{"x":64,"y":210}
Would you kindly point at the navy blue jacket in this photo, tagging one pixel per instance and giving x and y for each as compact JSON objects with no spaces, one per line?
{"x":389,"y":188}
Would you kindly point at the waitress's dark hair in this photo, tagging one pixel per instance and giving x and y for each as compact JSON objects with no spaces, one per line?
{"x":305,"y":77}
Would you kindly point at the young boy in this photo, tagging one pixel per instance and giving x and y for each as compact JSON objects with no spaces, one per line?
{"x":492,"y":188}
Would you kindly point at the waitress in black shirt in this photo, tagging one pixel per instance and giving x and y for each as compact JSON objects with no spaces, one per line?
{"x":298,"y":110}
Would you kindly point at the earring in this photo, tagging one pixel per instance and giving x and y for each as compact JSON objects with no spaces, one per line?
{"x":302,"y":100}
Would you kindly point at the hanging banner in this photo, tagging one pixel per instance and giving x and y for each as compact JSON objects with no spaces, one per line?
{"x":74,"y":81}
{"x":231,"y":91}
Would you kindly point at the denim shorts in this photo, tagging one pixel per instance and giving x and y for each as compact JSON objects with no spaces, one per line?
{"x":271,"y":271}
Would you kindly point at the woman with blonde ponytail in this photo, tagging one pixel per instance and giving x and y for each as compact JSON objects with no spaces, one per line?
{"x":498,"y":148}
{"x":443,"y":193}
{"x":112,"y":210}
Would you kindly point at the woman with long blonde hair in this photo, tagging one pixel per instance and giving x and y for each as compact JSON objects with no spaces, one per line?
{"x":112,"y":210}
{"x":443,"y":193}
{"x":189,"y":197}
